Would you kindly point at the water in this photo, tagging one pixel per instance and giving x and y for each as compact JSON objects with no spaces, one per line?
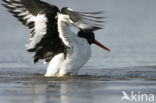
{"x":131,"y":66}
{"x":26,"y":85}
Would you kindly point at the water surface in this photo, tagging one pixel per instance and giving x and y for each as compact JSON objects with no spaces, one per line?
{"x":27,"y":85}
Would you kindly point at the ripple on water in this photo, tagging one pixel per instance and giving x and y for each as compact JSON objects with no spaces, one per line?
{"x":22,"y":74}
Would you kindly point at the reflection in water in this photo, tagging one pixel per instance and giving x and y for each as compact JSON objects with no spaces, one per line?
{"x":86,"y":91}
{"x":40,"y":90}
{"x":76,"y":92}
{"x":63,"y":92}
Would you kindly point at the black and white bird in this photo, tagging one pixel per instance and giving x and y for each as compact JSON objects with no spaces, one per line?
{"x":51,"y":36}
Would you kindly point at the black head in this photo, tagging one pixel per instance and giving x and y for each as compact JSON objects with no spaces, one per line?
{"x":88,"y":35}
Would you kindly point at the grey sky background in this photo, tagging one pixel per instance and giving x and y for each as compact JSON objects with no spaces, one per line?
{"x":129,"y":31}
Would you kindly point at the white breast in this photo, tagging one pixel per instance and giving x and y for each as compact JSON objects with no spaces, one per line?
{"x":77,"y":57}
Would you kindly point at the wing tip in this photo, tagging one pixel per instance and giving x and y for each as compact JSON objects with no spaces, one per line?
{"x":91,"y":13}
{"x":96,"y":28}
{"x":6,"y":1}
{"x":92,"y":20}
{"x":5,"y":5}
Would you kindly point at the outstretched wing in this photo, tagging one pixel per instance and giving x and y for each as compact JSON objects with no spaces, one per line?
{"x":85,"y":20}
{"x":37,"y":16}
{"x":40,"y":17}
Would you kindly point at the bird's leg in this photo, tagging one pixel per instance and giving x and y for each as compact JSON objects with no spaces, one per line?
{"x":55,"y":65}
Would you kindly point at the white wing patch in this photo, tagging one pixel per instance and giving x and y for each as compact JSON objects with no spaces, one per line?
{"x":64,"y":30}
{"x":38,"y":24}
{"x":40,"y":29}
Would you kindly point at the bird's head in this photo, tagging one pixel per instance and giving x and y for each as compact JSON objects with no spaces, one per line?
{"x":90,"y":37}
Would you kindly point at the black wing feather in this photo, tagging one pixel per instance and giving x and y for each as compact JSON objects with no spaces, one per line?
{"x":85,"y":20}
{"x":26,"y":11}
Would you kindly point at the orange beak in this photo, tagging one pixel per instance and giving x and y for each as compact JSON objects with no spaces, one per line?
{"x":102,"y":46}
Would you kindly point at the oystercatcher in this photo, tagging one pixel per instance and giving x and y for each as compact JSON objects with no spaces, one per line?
{"x":51,"y":36}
